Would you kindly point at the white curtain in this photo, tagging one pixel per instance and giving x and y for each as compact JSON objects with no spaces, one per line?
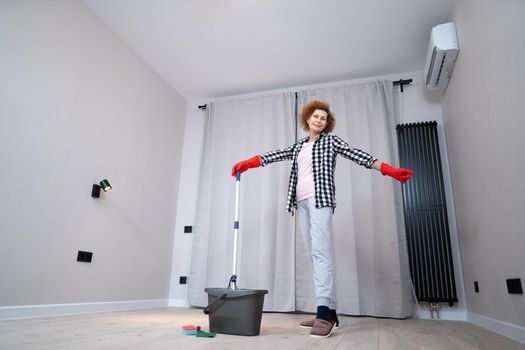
{"x":237,"y":130}
{"x":372,"y":272}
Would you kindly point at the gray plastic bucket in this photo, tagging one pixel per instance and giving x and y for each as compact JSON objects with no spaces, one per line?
{"x":235,"y":311}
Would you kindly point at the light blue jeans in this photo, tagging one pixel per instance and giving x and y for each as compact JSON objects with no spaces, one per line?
{"x":316,"y":227}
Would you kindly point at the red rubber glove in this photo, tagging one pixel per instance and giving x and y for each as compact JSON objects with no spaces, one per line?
{"x":400,"y":174}
{"x":253,"y":162}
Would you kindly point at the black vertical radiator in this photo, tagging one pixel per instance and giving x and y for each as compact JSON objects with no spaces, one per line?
{"x":426,"y":220}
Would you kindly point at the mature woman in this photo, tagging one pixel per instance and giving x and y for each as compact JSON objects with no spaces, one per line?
{"x":312,"y":192}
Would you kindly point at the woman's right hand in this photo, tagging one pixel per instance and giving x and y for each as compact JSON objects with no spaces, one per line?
{"x":253,"y":162}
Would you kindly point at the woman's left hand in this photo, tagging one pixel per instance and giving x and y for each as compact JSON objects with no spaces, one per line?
{"x":400,"y":174}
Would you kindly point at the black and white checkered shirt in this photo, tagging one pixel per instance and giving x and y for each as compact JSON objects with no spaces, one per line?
{"x":324,"y":153}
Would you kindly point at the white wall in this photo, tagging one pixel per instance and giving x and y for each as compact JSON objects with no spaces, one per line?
{"x":484,"y":113}
{"x":76,"y":106}
{"x":187,"y":200}
{"x":415,"y":104}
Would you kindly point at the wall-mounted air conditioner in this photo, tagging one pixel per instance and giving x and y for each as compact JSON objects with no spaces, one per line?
{"x":441,"y":56}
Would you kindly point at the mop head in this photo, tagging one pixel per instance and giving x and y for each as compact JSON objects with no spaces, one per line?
{"x":192,"y":330}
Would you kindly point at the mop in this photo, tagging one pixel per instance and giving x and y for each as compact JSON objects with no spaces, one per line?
{"x":233,"y":310}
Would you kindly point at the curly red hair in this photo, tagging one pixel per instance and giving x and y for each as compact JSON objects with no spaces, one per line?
{"x":309,"y":109}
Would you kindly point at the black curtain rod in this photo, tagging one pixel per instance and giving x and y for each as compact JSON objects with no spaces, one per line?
{"x":402,"y":82}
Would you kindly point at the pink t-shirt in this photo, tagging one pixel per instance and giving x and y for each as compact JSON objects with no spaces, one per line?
{"x":305,"y":177}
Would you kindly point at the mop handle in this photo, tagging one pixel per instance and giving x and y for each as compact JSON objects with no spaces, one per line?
{"x":236,"y":221}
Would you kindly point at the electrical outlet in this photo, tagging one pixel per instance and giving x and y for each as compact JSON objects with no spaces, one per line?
{"x":514,"y":286}
{"x":84,"y":256}
{"x":187,"y":229}
{"x":183,"y":279}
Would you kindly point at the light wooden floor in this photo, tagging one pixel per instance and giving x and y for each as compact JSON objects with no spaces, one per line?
{"x":161,"y":329}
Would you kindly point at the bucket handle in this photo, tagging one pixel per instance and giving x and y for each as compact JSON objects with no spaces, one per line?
{"x":216,"y":301}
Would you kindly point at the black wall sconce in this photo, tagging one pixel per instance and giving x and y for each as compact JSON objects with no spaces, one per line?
{"x":104,"y":185}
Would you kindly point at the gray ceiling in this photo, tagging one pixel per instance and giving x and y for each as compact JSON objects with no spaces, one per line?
{"x":213,"y":48}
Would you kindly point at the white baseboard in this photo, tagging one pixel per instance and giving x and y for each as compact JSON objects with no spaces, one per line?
{"x":28,"y":311}
{"x":444,"y":314}
{"x":506,"y":329}
{"x":178,"y":303}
